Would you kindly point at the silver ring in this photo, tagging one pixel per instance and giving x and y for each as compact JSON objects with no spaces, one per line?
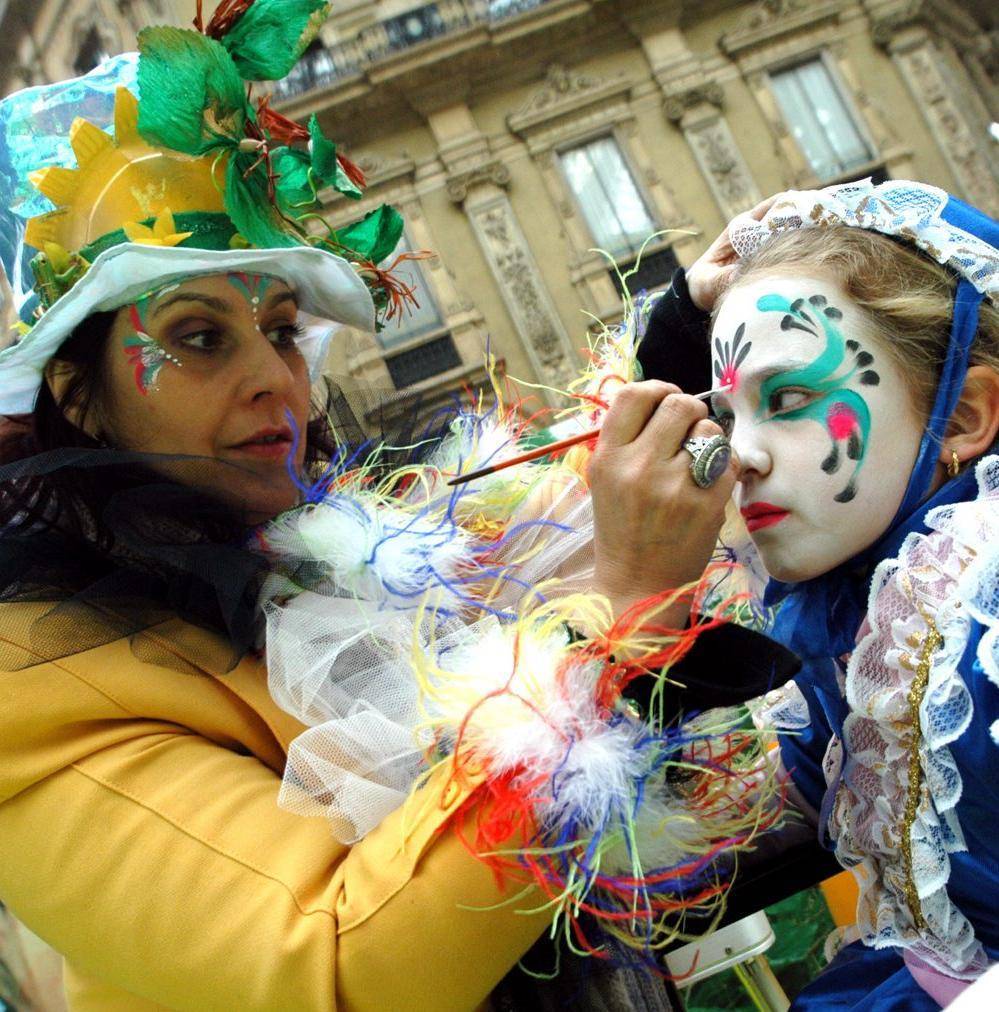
{"x":711,"y":455}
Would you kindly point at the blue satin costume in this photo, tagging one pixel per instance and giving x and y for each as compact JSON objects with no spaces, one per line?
{"x":819,"y":620}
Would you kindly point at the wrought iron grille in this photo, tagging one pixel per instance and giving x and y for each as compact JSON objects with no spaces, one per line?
{"x":654,"y":271}
{"x":423,"y":361}
{"x":321,"y":66}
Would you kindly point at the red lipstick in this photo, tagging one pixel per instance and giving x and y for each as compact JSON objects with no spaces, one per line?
{"x":762,"y":514}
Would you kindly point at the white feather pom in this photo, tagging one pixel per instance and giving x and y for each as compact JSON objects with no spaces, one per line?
{"x":539,"y":715}
{"x":373,"y":551}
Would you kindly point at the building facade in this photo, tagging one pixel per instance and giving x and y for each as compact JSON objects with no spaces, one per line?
{"x":534,"y":146}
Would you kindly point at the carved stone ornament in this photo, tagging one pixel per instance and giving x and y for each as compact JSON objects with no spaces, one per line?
{"x":952,"y":130}
{"x":770,"y":10}
{"x":565,"y":93}
{"x":523,"y":291}
{"x":946,"y":18}
{"x":771,"y":20}
{"x":726,"y":172}
{"x":494,"y":172}
{"x":380,"y":169}
{"x":559,"y":84}
{"x":676,"y":105}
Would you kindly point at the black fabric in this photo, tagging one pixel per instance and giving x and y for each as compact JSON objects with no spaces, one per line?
{"x":110,"y":542}
{"x":145,"y":548}
{"x":727,"y":665}
{"x":583,"y":983}
{"x":675,"y":347}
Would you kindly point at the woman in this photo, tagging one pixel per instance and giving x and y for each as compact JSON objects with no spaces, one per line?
{"x":158,"y":414}
{"x":862,"y":401}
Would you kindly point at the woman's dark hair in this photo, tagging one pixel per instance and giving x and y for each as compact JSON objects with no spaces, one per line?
{"x":58,"y":498}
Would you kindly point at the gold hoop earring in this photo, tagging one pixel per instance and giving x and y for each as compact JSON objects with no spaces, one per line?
{"x":954,"y":467}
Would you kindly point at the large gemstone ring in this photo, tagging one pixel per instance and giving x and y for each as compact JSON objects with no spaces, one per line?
{"x":711,"y":456}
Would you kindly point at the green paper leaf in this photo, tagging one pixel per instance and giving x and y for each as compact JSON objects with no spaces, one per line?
{"x":295,"y":191}
{"x":325,"y":164}
{"x":267,"y":41}
{"x":192,"y":97}
{"x":375,"y":236}
{"x":248,"y":205}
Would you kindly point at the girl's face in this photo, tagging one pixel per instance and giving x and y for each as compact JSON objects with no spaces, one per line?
{"x":210,"y":368}
{"x":820,"y":417}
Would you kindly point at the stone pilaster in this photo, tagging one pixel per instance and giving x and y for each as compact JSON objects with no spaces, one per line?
{"x":694,"y":103}
{"x":477,"y":181}
{"x":697,"y":112}
{"x":935,"y":86}
{"x":519,"y":278}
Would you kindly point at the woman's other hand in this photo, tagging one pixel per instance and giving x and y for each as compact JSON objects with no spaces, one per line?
{"x":709,"y":274}
{"x":655,"y":528}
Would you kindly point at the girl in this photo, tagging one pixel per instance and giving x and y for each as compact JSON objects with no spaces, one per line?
{"x":862,"y":364}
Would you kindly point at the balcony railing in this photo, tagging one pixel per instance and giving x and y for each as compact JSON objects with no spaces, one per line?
{"x":322,"y":66}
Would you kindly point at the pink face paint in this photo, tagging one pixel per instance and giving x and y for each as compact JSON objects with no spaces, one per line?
{"x":730,"y":357}
{"x":146,"y":355}
{"x":842,"y":422}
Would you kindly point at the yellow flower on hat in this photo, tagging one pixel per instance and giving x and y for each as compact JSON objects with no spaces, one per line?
{"x":162,"y":233}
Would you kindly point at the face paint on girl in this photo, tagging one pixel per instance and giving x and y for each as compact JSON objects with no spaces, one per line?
{"x":820,"y":417}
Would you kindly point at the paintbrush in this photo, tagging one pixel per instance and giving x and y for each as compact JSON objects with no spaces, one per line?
{"x":543,"y":451}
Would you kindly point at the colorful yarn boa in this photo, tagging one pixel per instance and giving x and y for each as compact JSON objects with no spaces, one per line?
{"x":419,"y":627}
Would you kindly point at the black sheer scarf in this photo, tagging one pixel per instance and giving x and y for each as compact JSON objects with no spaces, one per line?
{"x":107,"y":543}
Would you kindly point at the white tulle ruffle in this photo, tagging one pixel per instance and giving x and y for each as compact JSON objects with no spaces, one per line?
{"x":340,"y":654}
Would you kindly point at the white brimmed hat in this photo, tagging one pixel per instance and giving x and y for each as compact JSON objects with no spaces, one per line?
{"x":326,"y":286}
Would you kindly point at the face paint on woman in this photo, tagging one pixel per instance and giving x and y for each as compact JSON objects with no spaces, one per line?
{"x":145,"y":354}
{"x":253,"y":288}
{"x":821,"y":418}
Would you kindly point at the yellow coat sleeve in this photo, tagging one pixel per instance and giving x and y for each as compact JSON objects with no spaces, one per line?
{"x":160,"y":863}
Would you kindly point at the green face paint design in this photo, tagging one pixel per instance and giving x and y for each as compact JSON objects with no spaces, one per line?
{"x":841,"y":411}
{"x":253,"y":287}
{"x":145,"y":354}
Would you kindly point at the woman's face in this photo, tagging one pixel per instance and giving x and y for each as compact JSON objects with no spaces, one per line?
{"x":820,"y":417}
{"x":210,"y":368}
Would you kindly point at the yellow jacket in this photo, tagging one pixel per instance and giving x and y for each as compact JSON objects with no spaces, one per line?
{"x":140,"y":836}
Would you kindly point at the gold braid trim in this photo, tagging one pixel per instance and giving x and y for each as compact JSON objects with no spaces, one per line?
{"x":930,"y":644}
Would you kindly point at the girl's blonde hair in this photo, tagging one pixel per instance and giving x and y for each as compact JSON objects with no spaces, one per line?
{"x":908,"y":296}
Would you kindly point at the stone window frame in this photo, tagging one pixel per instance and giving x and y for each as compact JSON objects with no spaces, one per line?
{"x":393,"y":181}
{"x":572,"y":109}
{"x":421,"y":267}
{"x":793,"y":33}
{"x":824,"y":55}
{"x":634,"y":170}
